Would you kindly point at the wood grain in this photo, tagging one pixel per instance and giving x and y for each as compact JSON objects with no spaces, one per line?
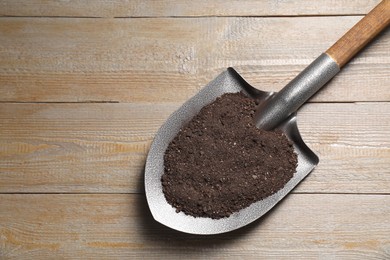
{"x":361,"y":34}
{"x":59,"y":67}
{"x":139,"y":8}
{"x":138,"y":60}
{"x":102,"y":147}
{"x":120,"y":226}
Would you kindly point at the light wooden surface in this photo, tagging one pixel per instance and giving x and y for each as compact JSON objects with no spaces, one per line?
{"x":187,"y":8}
{"x":82,"y":94}
{"x":303,"y":226}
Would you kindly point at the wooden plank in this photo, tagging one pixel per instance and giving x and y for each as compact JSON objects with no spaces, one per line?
{"x":352,"y":149}
{"x":139,"y":8}
{"x":170,"y":59}
{"x":102,"y":147}
{"x":120,"y":225}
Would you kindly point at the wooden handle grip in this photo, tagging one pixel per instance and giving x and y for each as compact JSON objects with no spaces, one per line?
{"x":362,"y":33}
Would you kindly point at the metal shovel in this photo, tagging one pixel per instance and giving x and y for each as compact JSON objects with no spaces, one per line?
{"x":276,"y":110}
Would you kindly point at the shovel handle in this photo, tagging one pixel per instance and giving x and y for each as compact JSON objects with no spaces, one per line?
{"x":287,"y":101}
{"x":361,"y":34}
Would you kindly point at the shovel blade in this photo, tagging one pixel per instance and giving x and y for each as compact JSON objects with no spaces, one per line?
{"x":228,"y":81}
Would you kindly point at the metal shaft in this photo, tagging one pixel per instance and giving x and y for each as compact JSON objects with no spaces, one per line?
{"x":297,"y":92}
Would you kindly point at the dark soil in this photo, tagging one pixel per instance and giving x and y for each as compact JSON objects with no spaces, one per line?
{"x":220,"y":163}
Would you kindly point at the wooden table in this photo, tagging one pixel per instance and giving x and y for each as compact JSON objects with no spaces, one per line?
{"x":84,"y":86}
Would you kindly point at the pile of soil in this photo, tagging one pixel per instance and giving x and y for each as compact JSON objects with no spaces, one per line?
{"x":220,"y":163}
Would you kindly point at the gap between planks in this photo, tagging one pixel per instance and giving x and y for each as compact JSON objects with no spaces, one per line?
{"x":126,"y":102}
{"x":138,"y":8}
{"x":184,"y":17}
{"x":141,"y":193}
